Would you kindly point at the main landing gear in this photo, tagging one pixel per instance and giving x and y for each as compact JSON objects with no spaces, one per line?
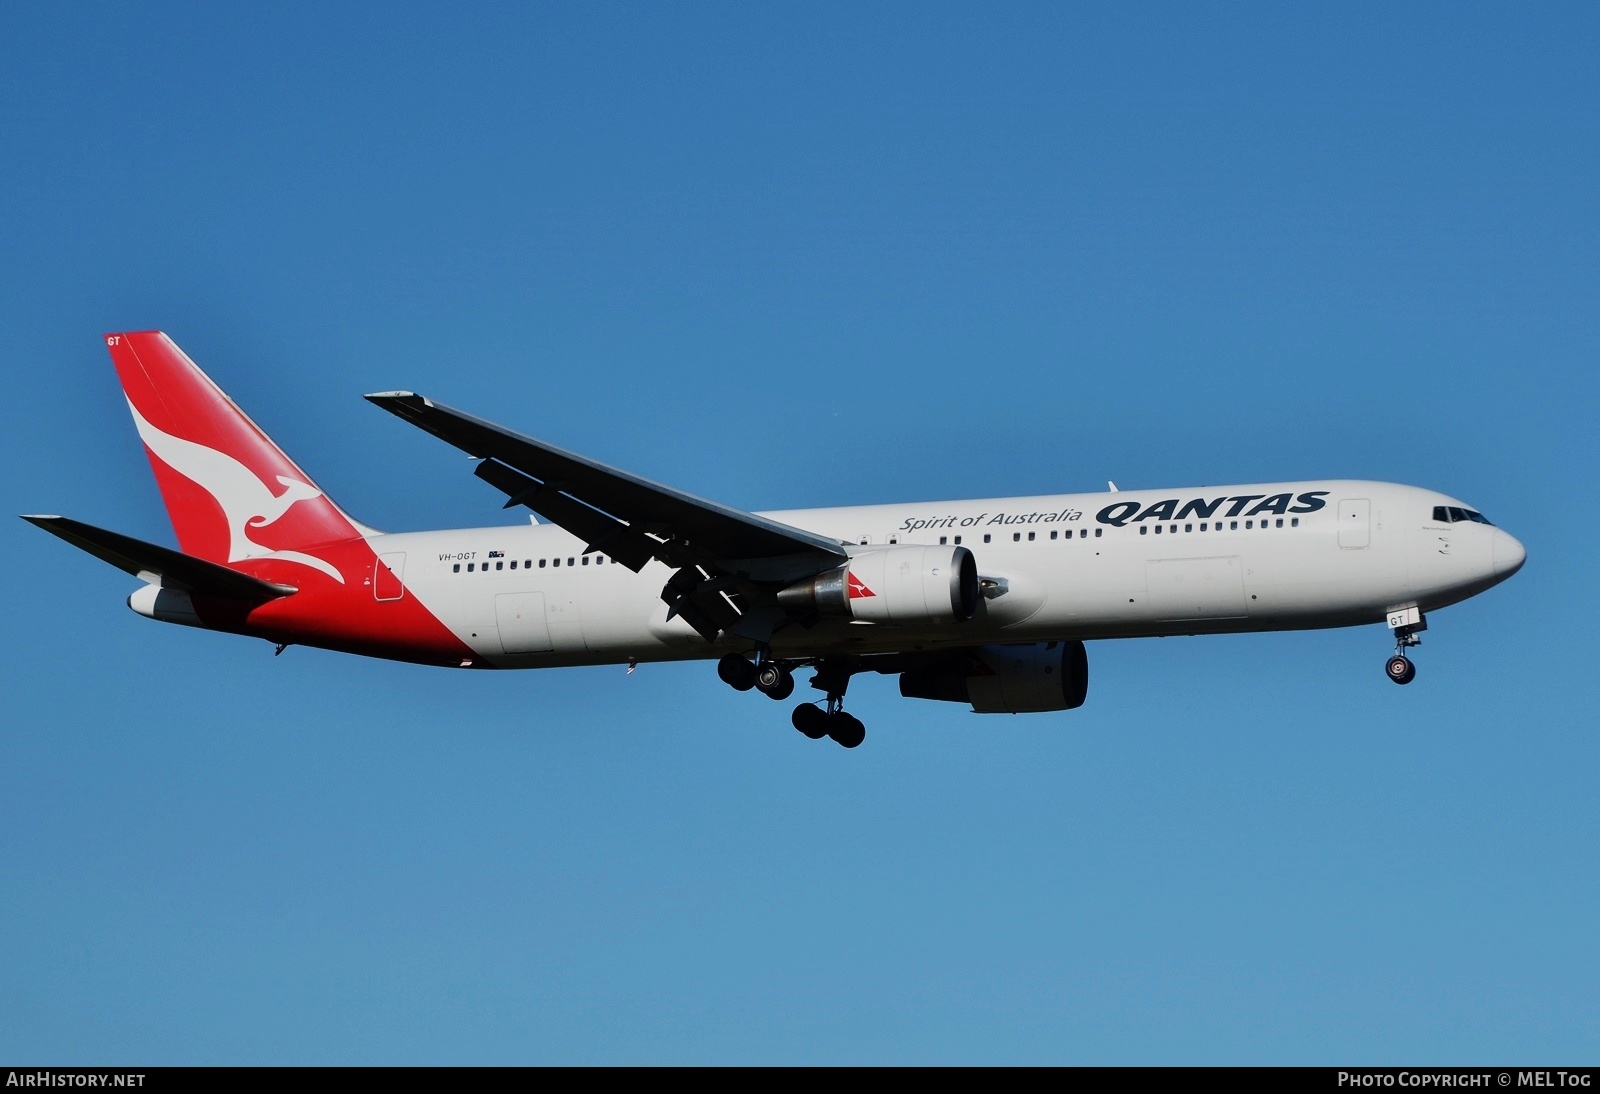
{"x":775,"y":680}
{"x":770,"y":678}
{"x":817,"y":723}
{"x":1406,"y":623}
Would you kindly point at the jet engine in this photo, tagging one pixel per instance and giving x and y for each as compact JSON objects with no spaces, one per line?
{"x":1006,"y":679}
{"x":909,"y":584}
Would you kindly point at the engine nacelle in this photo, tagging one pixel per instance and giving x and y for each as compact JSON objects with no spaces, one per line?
{"x":914,"y":583}
{"x":1006,"y":679}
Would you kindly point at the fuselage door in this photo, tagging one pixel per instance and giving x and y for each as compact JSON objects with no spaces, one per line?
{"x":1355,"y":523}
{"x":1196,"y":588}
{"x":387,"y":576}
{"x":523,"y":625}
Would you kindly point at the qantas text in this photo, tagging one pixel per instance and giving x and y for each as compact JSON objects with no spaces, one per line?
{"x":1120,"y":513}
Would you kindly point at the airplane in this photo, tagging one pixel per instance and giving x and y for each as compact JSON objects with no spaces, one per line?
{"x":986,"y":601}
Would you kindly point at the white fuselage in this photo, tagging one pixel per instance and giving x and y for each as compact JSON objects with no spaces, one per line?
{"x":1322,"y":553}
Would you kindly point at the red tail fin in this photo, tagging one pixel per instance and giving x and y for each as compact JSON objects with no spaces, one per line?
{"x":231,"y":493}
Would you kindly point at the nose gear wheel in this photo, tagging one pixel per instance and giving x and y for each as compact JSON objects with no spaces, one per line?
{"x":1399,"y":667}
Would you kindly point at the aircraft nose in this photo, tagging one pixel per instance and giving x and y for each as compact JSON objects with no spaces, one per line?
{"x":1509,"y":555}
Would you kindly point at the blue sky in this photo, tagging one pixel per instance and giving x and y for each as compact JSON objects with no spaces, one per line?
{"x":786,"y":256}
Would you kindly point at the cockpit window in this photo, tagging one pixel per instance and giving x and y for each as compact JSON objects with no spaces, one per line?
{"x":1449,"y":514}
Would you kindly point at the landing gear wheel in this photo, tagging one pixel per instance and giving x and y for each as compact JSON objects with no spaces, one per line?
{"x":846,"y":729}
{"x":810,"y":720}
{"x":774,"y":681}
{"x":737,"y":672}
{"x":1400,"y":669}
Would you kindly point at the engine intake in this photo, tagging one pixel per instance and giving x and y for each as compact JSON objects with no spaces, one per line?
{"x":909,"y":584}
{"x":1006,"y":679}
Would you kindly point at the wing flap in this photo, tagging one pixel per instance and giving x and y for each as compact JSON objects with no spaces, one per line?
{"x":597,"y":530}
{"x":161,"y":565}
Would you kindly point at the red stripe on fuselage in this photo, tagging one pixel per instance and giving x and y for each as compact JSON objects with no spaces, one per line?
{"x":345,"y":617}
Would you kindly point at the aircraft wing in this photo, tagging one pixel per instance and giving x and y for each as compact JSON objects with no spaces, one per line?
{"x":631,"y":519}
{"x":161,"y":565}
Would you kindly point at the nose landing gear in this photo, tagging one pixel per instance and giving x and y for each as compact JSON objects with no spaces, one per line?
{"x":1400,"y":669}
{"x":1406,"y":624}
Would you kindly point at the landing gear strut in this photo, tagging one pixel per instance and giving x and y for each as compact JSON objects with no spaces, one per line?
{"x":1406,"y":624}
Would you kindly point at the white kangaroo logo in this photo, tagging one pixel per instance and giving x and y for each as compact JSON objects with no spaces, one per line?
{"x":246,"y":500}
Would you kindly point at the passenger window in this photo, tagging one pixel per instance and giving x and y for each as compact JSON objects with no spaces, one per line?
{"x":555,"y":562}
{"x":1249,"y":524}
{"x":1158,"y":529}
{"x":986,"y":537}
{"x":541,"y":564}
{"x":1030,"y":537}
{"x":1278,"y":523}
{"x":1294,"y":522}
{"x":958,"y":541}
{"x":499,"y":565}
{"x":469,"y":567}
{"x":1202,"y":526}
{"x":1143,"y":531}
{"x":1053,"y":533}
{"x":569,"y":562}
{"x":456,"y":569}
{"x":586,"y":560}
{"x":942,"y":540}
{"x":1016,"y":537}
{"x":1188,"y":527}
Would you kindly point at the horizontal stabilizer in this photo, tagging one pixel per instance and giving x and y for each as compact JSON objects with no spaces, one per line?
{"x":161,"y":565}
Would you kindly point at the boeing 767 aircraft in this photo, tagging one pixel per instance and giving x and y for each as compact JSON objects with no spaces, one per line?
{"x":987,"y":601}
